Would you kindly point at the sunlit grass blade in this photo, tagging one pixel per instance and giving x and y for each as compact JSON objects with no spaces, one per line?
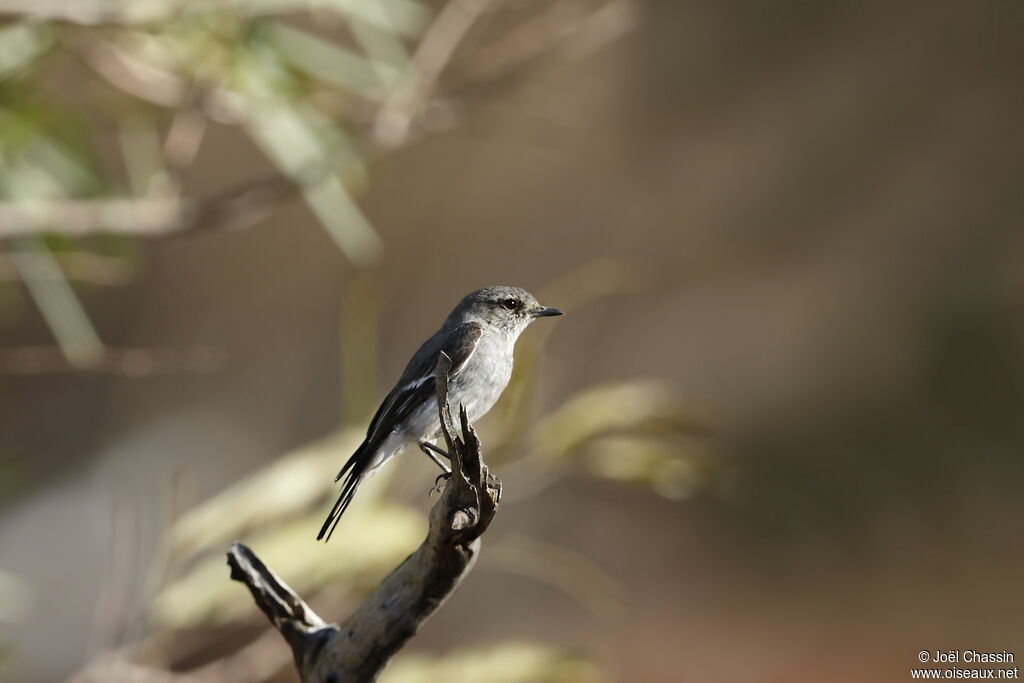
{"x":570,"y":572}
{"x":20,"y":44}
{"x":330,"y":63}
{"x":299,"y":142}
{"x":57,"y":302}
{"x":143,"y":157}
{"x":404,"y":18}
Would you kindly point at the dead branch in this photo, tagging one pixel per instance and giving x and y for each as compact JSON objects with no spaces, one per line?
{"x":433,"y":54}
{"x":361,"y":646}
{"x":236,"y":209}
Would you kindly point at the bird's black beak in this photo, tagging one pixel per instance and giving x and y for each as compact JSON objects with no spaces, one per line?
{"x":546,"y":312}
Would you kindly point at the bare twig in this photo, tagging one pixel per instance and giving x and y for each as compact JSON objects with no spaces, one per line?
{"x":184,"y":136}
{"x":131,"y":216}
{"x":576,"y":29}
{"x":432,"y":55}
{"x":234,"y":209}
{"x":360,"y":647}
{"x":118,"y":67}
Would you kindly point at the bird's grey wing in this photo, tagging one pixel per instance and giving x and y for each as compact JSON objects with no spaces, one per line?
{"x":416,"y":385}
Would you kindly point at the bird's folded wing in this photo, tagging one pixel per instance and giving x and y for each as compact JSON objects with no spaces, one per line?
{"x":416,"y":385}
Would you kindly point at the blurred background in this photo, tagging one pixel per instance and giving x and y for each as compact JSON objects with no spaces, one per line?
{"x":776,"y":438}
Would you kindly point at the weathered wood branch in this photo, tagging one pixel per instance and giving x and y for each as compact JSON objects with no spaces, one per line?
{"x":359,"y":647}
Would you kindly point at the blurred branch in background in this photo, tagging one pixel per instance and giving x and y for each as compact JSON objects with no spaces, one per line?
{"x":147,"y":216}
{"x":435,"y":50}
{"x":57,"y":302}
{"x":578,"y":28}
{"x":319,"y":90}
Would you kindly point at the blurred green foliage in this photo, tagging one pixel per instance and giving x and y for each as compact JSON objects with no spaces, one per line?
{"x":508,"y":663}
{"x":301,"y":79}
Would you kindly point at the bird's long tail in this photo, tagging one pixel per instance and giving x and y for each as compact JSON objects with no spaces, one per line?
{"x":353,"y":472}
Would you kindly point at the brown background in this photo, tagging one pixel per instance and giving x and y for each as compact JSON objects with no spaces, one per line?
{"x":821,"y":205}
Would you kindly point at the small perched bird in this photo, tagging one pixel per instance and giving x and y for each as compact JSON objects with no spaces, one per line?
{"x":478,"y":336}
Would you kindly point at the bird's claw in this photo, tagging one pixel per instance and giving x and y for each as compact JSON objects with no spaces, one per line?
{"x":440,"y":482}
{"x":432,"y":452}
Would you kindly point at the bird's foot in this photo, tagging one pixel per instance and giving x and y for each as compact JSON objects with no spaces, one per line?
{"x":432,"y":452}
{"x":440,"y":482}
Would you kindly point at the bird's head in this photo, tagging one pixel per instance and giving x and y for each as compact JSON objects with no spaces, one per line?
{"x":509,"y":309}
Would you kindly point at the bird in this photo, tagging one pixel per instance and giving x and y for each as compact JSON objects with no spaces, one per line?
{"x":479,"y":336}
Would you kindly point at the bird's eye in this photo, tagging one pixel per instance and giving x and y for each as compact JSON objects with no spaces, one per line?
{"x":510,"y":304}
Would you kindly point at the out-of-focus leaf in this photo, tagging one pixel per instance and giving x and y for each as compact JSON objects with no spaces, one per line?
{"x":345,"y":221}
{"x":638,"y":432}
{"x":278,"y":510}
{"x":672,"y":469}
{"x":288,"y":487}
{"x":42,"y":168}
{"x":373,"y":538}
{"x":384,"y":49}
{"x":64,"y":314}
{"x":568,"y":571}
{"x":20,"y":44}
{"x":310,"y":149}
{"x":405,"y":18}
{"x":328,"y":62}
{"x":639,"y":406}
{"x":313,"y":141}
{"x":145,"y":65}
{"x":44,"y":151}
{"x":143,"y":158}
{"x":515,"y":662}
